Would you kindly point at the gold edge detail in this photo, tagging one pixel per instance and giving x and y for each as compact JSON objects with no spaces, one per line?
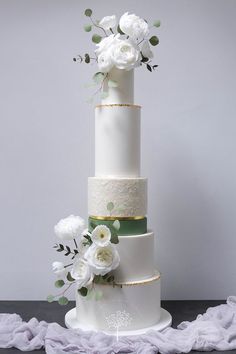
{"x":117,"y":217}
{"x":118,"y":105}
{"x":137,"y":282}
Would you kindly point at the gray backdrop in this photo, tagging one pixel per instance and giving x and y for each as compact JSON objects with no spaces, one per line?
{"x":188,"y":139}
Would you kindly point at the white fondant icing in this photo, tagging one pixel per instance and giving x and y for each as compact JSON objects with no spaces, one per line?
{"x":136,"y":257}
{"x":129,"y":196}
{"x":141,"y":302}
{"x":117,"y":141}
{"x":124,"y":92}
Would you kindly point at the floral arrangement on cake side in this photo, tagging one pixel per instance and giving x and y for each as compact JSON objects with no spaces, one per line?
{"x":124,"y":44}
{"x":93,"y":257}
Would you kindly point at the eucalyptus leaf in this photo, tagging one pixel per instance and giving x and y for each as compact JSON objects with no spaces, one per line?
{"x":63,"y":300}
{"x":50,"y":298}
{"x":157,"y":23}
{"x":69,"y":277}
{"x":112,"y":83}
{"x":110,"y":206}
{"x":96,"y":38}
{"x":87,"y":28}
{"x":114,"y":236}
{"x":154,"y":40}
{"x":59,"y":283}
{"x":83,"y":291}
{"x":87,"y":58}
{"x":98,"y":77}
{"x":116,"y":224}
{"x":88,"y":12}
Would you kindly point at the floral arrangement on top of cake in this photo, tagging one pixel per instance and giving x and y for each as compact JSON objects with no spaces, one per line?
{"x":124,"y":45}
{"x":94,"y":256}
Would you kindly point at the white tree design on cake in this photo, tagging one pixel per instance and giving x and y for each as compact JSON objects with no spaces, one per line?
{"x":117,"y":320}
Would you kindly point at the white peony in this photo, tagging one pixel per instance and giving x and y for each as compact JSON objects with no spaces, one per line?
{"x":105,"y":62}
{"x":102,"y":259}
{"x":146,"y":50}
{"x":125,"y":54}
{"x":81,"y":272}
{"x":133,"y":26}
{"x":58,"y":268}
{"x":69,"y":228}
{"x":106,"y":43}
{"x":101,"y":235}
{"x":108,"y":22}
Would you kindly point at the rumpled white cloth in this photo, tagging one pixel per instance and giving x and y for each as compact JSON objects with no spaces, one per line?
{"x":214,"y":330}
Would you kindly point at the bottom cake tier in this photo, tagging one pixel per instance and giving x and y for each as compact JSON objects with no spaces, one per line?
{"x":130,"y":306}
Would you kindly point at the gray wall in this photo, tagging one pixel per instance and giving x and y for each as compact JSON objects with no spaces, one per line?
{"x":188,"y":139}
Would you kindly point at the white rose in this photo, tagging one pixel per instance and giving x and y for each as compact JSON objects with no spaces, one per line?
{"x":58,"y":268}
{"x":108,"y":22}
{"x":102,"y":259}
{"x":101,"y":235}
{"x":105,"y":43}
{"x":146,"y":50}
{"x":69,"y":228}
{"x":105,"y":62}
{"x":81,"y":272}
{"x":133,"y":26}
{"x":125,"y":54}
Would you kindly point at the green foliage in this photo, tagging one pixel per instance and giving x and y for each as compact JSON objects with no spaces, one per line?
{"x":87,"y":58}
{"x":88,"y":28}
{"x":157,"y":23}
{"x":63,"y":300}
{"x":112,"y":83}
{"x":88,"y":238}
{"x":96,"y":38}
{"x":60,"y":248}
{"x":119,"y":30}
{"x":116,"y":224}
{"x":98,"y":77}
{"x":59,"y":283}
{"x":83,"y":291}
{"x":154,"y":40}
{"x":114,"y":236}
{"x":88,"y":12}
{"x":50,"y":298}
{"x":110,"y":206}
{"x":69,"y":277}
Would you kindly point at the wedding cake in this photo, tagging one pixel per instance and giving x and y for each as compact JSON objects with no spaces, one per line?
{"x":117,"y":284}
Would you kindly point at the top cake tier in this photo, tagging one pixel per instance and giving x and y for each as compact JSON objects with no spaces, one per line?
{"x":124,"y":92}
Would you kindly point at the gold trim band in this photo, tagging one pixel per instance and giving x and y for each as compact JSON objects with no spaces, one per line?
{"x":117,"y":217}
{"x":137,"y":282}
{"x":118,"y":105}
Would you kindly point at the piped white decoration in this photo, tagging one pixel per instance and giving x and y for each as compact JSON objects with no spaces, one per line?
{"x":117,"y":141}
{"x":129,"y":196}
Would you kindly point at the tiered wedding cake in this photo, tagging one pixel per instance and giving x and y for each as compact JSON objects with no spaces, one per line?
{"x":113,"y":268}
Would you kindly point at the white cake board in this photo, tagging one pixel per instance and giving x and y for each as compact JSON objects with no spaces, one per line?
{"x":164,"y":322}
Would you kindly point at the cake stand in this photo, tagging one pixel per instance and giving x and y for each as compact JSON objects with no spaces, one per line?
{"x":165,"y":321}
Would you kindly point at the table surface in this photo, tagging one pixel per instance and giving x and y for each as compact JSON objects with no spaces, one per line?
{"x":42,"y":310}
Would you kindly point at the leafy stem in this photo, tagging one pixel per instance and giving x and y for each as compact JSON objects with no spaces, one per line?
{"x":96,"y":25}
